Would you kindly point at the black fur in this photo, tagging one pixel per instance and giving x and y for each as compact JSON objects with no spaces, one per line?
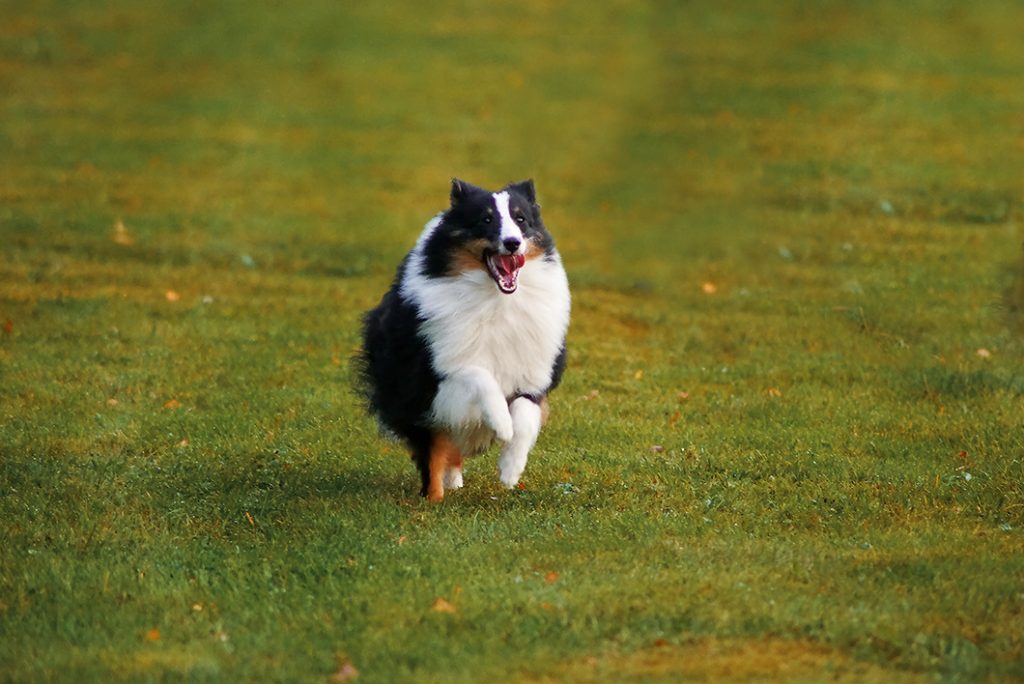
{"x":397,"y":376}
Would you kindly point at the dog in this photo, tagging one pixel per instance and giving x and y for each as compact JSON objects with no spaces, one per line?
{"x":465,"y":346}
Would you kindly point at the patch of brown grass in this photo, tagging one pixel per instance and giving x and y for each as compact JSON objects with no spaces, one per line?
{"x":732,"y":660}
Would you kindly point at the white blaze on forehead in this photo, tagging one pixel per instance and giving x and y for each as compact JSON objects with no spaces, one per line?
{"x":509,"y":229}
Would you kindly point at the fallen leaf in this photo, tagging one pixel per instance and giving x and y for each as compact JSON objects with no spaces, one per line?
{"x":657,"y":449}
{"x":660,"y":643}
{"x":402,"y":539}
{"x":197,"y":607}
{"x":172,"y":404}
{"x":172,"y":296}
{"x":346,"y":672}
{"x":442,"y":606}
{"x":674,"y":418}
{"x":153,"y":635}
{"x":639,"y":375}
{"x":773,"y":392}
{"x":682,"y":396}
{"x":709,"y":288}
{"x":121,"y":236}
{"x":183,"y":443}
{"x":248,"y":516}
{"x":984,"y":353}
{"x":593,"y":394}
{"x":112,"y":402}
{"x":551,"y":577}
{"x":8,"y":326}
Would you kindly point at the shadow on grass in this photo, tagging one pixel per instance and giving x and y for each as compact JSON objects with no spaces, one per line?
{"x":200,"y":492}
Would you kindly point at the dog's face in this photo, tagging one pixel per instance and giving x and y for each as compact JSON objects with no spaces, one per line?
{"x":497,"y":232}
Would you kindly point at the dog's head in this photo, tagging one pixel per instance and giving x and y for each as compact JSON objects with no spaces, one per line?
{"x":497,"y":232}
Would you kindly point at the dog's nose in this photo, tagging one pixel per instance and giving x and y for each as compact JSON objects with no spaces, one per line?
{"x":511,"y":244}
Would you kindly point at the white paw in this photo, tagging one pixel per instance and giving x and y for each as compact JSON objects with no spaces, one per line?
{"x":500,"y":420}
{"x":453,"y":478}
{"x":509,"y":479}
{"x":510,"y":467}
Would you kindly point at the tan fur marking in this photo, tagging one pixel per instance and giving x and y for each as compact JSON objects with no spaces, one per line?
{"x":533,"y":251}
{"x":455,"y":458}
{"x":469,"y":257}
{"x":443,"y":453}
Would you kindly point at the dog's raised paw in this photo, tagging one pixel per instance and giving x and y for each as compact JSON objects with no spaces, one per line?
{"x":500,"y":420}
{"x":503,"y":429}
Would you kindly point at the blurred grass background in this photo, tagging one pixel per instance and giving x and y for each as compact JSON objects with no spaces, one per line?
{"x":789,"y":443}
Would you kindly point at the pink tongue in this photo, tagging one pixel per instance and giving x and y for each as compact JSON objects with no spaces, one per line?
{"x":510,"y":263}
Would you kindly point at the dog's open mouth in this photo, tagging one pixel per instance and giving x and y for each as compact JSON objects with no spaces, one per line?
{"x":504,"y":268}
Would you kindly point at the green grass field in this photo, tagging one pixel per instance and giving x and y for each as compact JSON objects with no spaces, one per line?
{"x":789,"y":445}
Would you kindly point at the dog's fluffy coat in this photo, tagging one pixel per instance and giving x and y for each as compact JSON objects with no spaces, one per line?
{"x":470,"y":339}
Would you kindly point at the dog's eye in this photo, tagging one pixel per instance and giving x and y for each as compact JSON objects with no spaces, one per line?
{"x":487,"y":219}
{"x":520,"y":219}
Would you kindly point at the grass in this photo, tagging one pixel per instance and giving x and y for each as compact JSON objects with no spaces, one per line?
{"x":789,"y":443}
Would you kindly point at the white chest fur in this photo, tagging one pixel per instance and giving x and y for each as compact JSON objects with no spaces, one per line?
{"x":469,"y":322}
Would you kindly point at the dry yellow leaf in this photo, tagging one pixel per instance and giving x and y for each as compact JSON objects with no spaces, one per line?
{"x":346,"y":672}
{"x":121,"y":236}
{"x":442,"y":606}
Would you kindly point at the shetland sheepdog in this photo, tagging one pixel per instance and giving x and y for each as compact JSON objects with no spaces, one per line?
{"x":464,"y":348}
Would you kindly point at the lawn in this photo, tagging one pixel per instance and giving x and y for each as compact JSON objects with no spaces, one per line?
{"x":789,"y":443}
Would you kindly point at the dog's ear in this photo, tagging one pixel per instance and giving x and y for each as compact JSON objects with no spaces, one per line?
{"x":526,"y":189}
{"x":458,"y":191}
{"x":461,"y":190}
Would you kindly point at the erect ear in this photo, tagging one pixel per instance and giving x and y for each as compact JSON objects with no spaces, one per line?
{"x":461,"y":190}
{"x":526,"y":189}
{"x":458,"y":190}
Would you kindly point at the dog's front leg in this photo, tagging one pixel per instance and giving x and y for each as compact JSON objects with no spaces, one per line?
{"x":470,"y":396}
{"x":527,"y":417}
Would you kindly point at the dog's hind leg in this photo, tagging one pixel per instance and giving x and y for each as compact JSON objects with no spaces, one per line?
{"x":472,"y":396}
{"x":527,"y":418}
{"x":443,"y":453}
{"x":453,"y":475}
{"x":420,"y":442}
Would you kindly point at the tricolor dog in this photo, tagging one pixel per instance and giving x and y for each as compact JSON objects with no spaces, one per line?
{"x":464,"y":348}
